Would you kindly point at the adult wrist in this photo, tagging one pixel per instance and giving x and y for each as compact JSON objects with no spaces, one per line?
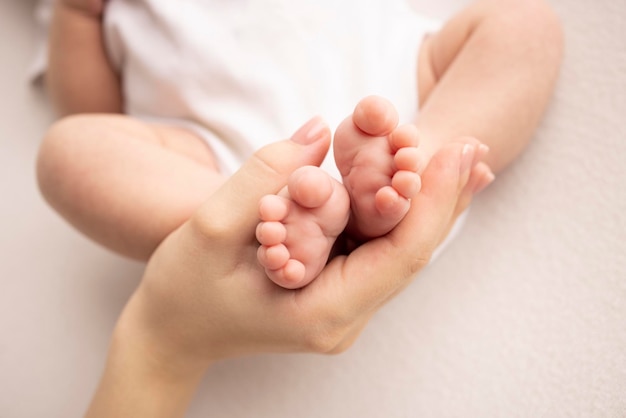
{"x":141,"y":330}
{"x":143,"y":378}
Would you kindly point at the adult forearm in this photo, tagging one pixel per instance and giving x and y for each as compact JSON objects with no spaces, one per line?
{"x":140,"y":378}
{"x":80,"y":78}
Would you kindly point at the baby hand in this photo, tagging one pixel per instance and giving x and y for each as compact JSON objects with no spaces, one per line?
{"x":89,"y":7}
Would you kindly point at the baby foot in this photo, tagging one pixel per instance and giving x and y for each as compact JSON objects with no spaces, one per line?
{"x":379,"y":162}
{"x":299,"y":226}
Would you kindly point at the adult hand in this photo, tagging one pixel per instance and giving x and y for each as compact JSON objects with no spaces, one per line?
{"x":204,"y":297}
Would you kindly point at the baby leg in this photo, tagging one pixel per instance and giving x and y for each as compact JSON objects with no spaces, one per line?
{"x":299,"y":226}
{"x":379,"y":163}
{"x":124,"y":183}
{"x":489,"y":73}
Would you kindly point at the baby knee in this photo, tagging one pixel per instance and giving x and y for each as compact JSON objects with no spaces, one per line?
{"x":54,"y":159}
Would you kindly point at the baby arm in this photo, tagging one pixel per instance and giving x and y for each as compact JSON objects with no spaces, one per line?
{"x":80,"y":78}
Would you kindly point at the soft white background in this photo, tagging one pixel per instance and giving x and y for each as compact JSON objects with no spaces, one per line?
{"x":524,"y":316}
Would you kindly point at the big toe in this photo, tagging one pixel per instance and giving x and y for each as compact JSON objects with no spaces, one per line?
{"x":375,"y":116}
{"x":310,"y":187}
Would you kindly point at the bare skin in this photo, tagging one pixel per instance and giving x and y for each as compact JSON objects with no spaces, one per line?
{"x":299,"y":226}
{"x":166,"y":337}
{"x":378,"y":162}
{"x":487,"y":74}
{"x":76,"y":37}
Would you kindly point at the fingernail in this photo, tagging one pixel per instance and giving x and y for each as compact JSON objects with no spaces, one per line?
{"x":311,"y":132}
{"x":467,"y":157}
{"x":486,"y":181}
{"x":482,"y":151}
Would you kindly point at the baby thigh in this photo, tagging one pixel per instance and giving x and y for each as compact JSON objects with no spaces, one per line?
{"x":124,"y":183}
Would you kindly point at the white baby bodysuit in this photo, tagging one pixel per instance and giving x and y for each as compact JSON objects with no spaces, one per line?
{"x":243,"y":73}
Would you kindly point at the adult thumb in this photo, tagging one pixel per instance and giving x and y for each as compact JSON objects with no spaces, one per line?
{"x":234,"y":207}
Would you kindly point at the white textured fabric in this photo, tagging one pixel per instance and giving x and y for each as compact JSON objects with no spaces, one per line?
{"x":242,"y":74}
{"x":250,"y":72}
{"x":246,"y":73}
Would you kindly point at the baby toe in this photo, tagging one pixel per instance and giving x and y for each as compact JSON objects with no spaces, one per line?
{"x":407,"y":183}
{"x":409,"y":159}
{"x":375,"y":116}
{"x":273,"y":257}
{"x":310,"y":187}
{"x":404,"y":136}
{"x":271,"y":233}
{"x":290,"y":276}
{"x":273,"y":208}
{"x":390,"y":204}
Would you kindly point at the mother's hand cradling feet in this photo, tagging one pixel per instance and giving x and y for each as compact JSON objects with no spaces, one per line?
{"x":204,"y":297}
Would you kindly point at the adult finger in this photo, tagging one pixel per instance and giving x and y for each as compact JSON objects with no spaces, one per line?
{"x":481,"y":176}
{"x":377,"y":270}
{"x":234,"y":207}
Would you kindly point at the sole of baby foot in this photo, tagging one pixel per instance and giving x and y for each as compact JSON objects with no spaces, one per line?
{"x":299,"y":226}
{"x":379,"y":162}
